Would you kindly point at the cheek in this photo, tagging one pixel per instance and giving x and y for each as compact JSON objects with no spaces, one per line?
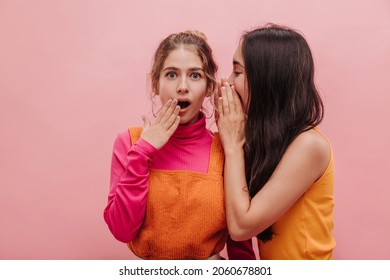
{"x":163,"y":93}
{"x":245,"y":104}
{"x":199,"y":99}
{"x":239,"y":85}
{"x":245,"y":98}
{"x":164,"y":89}
{"x":198,"y":88}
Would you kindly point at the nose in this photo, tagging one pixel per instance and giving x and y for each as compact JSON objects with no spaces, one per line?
{"x":182,"y":87}
{"x":231,"y":78}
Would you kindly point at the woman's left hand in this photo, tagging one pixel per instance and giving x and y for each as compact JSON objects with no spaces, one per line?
{"x":231,"y":119}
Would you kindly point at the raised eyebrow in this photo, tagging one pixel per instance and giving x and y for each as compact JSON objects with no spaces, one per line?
{"x":170,"y":68}
{"x":196,"y":69}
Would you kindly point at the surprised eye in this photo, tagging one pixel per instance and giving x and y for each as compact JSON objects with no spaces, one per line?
{"x":196,"y":76}
{"x":171,"y":75}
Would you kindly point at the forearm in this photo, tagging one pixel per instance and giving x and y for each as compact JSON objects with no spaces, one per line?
{"x":126,"y":205}
{"x":236,"y":192}
{"x":126,"y":208}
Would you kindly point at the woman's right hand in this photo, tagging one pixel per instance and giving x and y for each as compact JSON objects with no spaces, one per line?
{"x":231,"y":120}
{"x":158,"y":132}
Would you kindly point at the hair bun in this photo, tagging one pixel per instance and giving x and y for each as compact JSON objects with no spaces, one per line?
{"x":196,"y":33}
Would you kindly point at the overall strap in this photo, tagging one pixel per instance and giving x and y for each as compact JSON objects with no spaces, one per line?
{"x":216,"y":155}
{"x":135,"y":133}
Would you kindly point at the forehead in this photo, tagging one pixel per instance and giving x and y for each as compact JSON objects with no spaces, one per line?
{"x":183,"y":57}
{"x":237,"y":56}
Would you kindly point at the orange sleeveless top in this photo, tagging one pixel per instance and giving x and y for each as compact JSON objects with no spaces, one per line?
{"x":185,"y":213}
{"x":305,"y":230}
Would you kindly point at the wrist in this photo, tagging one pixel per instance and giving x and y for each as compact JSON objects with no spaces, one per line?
{"x":145,"y":147}
{"x":234,"y":151}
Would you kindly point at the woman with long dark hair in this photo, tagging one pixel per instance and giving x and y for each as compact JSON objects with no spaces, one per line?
{"x":279,"y":172}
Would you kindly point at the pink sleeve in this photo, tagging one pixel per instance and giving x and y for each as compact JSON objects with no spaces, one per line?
{"x":126,"y":205}
{"x":240,"y":250}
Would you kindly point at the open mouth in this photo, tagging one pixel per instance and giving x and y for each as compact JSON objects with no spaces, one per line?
{"x":183,"y":104}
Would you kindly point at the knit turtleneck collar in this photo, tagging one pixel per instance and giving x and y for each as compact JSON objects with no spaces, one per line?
{"x":191,"y":131}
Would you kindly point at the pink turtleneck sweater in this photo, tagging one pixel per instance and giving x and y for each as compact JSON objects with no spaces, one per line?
{"x":187,"y":149}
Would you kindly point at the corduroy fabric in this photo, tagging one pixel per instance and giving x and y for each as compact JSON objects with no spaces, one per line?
{"x":185,"y":214}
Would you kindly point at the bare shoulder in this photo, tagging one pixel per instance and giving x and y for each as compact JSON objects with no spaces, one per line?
{"x":312,"y":139}
{"x":314,"y":148}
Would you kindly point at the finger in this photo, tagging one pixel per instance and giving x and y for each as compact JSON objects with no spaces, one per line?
{"x":225,"y":102}
{"x":221,"y":84}
{"x":168,"y":113}
{"x":174,"y":126}
{"x":237,"y":101}
{"x":220,"y":109}
{"x":229,"y":96}
{"x":172,"y":118}
{"x":163,"y":110}
{"x":217,"y":94}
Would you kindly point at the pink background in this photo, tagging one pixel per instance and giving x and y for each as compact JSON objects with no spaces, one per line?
{"x":73,"y":74}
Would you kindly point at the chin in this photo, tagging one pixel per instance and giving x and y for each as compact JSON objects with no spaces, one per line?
{"x":186,"y":121}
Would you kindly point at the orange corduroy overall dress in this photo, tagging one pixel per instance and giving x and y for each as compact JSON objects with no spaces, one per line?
{"x":185,"y":213}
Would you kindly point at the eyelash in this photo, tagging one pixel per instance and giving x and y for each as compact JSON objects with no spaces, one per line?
{"x":198,"y":74}
{"x":169,"y":75}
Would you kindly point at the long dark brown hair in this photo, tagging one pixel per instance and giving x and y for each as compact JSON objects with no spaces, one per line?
{"x":283,"y":100}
